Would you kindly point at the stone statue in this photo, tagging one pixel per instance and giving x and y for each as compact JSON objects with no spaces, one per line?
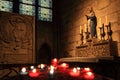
{"x":92,"y":22}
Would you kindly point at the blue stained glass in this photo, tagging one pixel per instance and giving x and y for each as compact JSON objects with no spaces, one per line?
{"x":44,"y":14}
{"x":45,"y":3}
{"x":27,"y":9}
{"x":28,"y":1}
{"x":6,"y":6}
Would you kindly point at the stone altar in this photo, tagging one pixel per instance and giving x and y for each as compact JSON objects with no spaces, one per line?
{"x":93,"y":51}
{"x":98,"y":49}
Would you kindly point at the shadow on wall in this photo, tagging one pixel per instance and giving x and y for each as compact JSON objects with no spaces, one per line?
{"x":44,"y":54}
{"x":114,"y":48}
{"x":65,"y":54}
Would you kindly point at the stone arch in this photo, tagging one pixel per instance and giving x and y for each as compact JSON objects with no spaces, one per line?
{"x":44,"y":54}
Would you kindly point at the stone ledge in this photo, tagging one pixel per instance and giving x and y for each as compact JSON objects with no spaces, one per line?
{"x":85,"y":59}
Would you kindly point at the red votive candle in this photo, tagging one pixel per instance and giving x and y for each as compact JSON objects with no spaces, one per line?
{"x":34,"y":73}
{"x":63,"y":66}
{"x":74,"y":72}
{"x":89,"y":76}
{"x":54,"y":62}
{"x":87,"y":69}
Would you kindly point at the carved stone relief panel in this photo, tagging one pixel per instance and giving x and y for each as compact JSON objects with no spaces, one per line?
{"x":17,"y":34}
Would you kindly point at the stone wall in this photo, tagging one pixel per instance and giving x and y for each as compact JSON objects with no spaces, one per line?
{"x":73,"y":16}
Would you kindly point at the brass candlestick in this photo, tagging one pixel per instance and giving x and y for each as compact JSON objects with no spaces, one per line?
{"x":102,"y":32}
{"x":87,"y":35}
{"x":81,"y":38}
{"x":109,"y":31}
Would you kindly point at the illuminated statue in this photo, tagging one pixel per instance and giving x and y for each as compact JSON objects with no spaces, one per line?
{"x":92,"y":22}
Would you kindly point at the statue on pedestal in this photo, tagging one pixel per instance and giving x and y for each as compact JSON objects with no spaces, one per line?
{"x":92,"y":22}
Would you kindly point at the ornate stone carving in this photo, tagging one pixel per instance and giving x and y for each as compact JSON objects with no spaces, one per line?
{"x":16,"y":36}
{"x":98,"y":49}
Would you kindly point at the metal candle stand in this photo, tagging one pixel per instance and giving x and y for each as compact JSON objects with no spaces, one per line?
{"x":109,"y":31}
{"x":102,"y":32}
{"x":87,"y":35}
{"x":84,"y":38}
{"x":81,"y":38}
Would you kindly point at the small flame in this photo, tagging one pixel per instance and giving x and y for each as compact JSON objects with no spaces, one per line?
{"x":34,"y":70}
{"x":74,"y":70}
{"x":32,"y":67}
{"x":23,"y":69}
{"x":52,"y":69}
{"x":89,"y":73}
{"x":87,"y":69}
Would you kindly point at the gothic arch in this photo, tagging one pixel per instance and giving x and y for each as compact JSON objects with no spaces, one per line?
{"x":44,"y":54}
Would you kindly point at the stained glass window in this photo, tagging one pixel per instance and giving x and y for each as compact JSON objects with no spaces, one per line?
{"x":6,"y":6}
{"x":27,"y":9}
{"x":45,"y":10}
{"x":45,"y":3}
{"x":28,"y":1}
{"x":44,"y":14}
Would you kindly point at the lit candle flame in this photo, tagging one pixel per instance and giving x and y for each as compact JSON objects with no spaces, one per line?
{"x":87,"y":69}
{"x":32,"y":67}
{"x":55,"y":60}
{"x":34,"y":70}
{"x":52,"y":69}
{"x":74,"y":70}
{"x":23,"y":69}
{"x":89,"y":73}
{"x":78,"y":68}
{"x":42,"y":66}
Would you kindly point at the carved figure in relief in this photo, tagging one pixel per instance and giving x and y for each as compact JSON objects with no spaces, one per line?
{"x":16,"y":32}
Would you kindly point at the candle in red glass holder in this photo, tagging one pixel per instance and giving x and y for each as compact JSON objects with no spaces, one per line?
{"x":74,"y":72}
{"x":34,"y":73}
{"x":63,"y":66}
{"x":89,"y":76}
{"x":87,"y":69}
{"x":54,"y":62}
